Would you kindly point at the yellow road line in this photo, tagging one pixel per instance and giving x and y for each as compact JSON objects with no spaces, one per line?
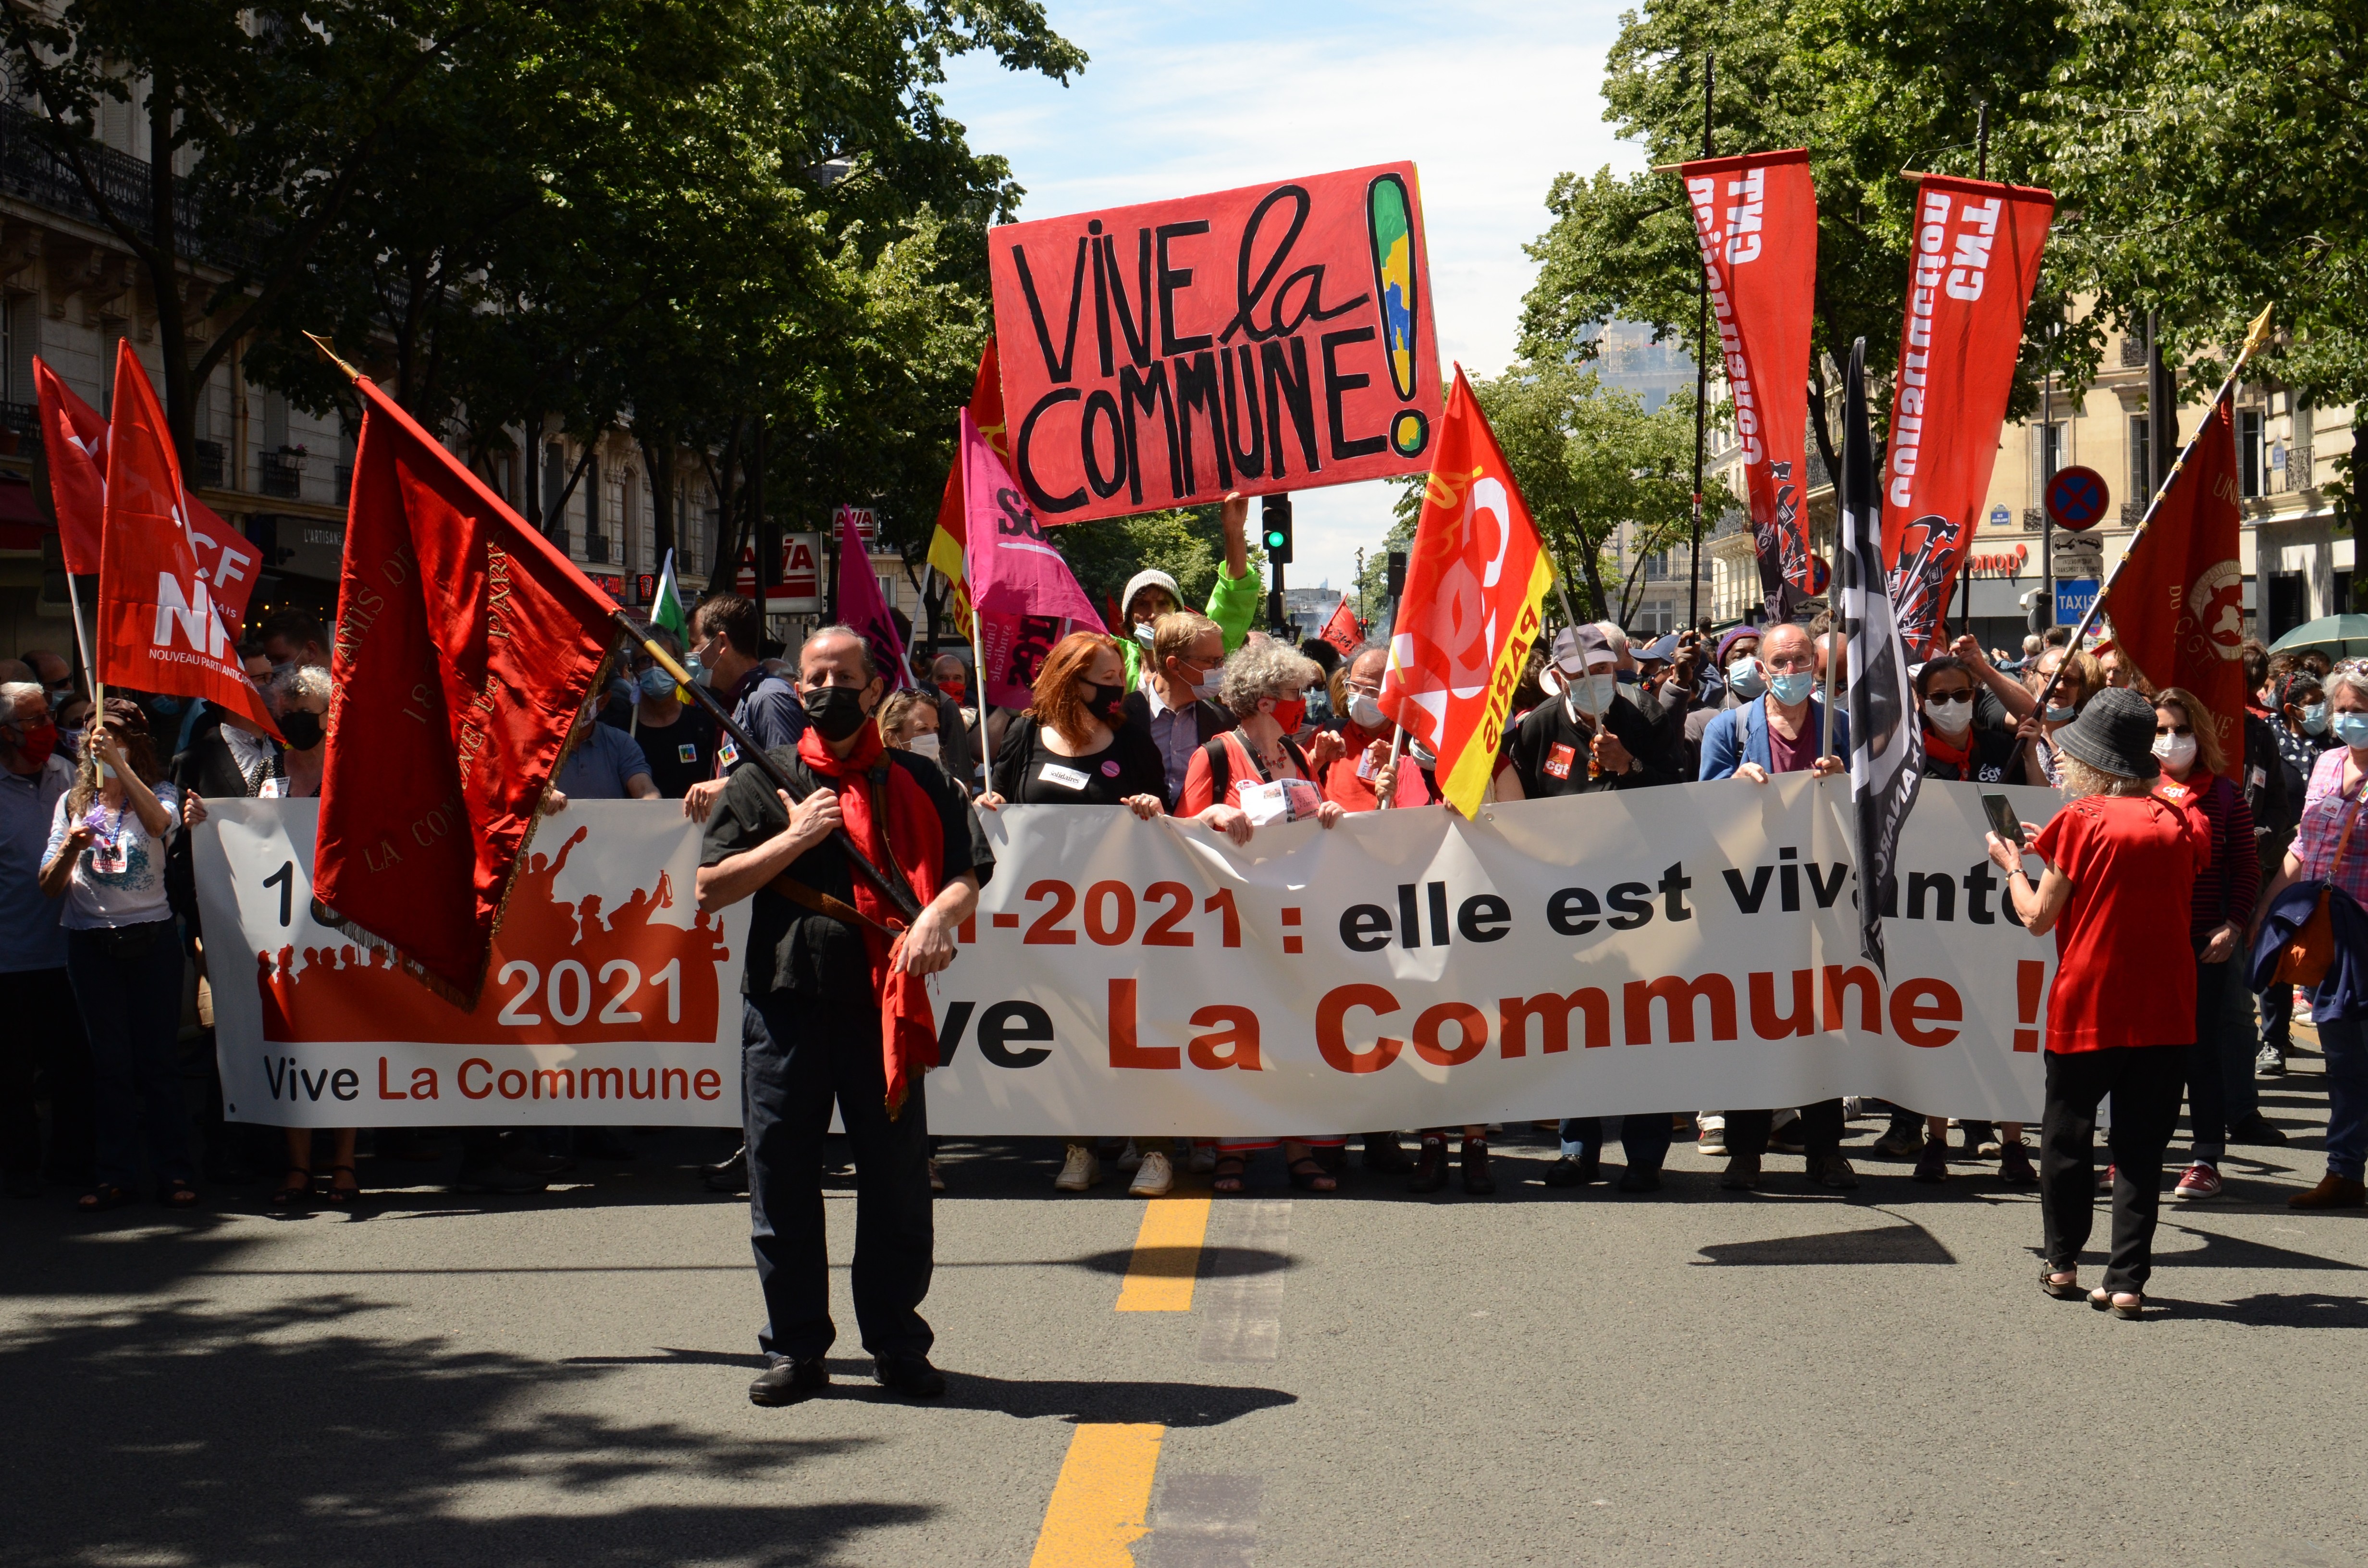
{"x":1098,"y":1505}
{"x":1167,"y":1256}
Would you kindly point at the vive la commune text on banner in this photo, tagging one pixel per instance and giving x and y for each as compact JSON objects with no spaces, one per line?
{"x":1668,"y":949}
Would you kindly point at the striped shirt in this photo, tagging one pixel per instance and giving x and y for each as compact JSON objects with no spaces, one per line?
{"x":2323,"y":813}
{"x":2226,"y":889}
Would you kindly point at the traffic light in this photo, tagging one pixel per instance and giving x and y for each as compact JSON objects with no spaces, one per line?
{"x":1275,"y":520}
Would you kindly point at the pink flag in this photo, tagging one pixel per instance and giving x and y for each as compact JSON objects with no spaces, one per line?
{"x":861,"y":608}
{"x":1022,"y":593}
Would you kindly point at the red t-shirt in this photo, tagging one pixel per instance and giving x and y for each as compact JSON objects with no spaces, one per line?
{"x":1349,"y":780}
{"x":2124,"y":972}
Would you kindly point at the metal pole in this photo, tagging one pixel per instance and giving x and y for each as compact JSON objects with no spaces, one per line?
{"x":2047,"y":473}
{"x":1982,"y":140}
{"x":1701,"y":375}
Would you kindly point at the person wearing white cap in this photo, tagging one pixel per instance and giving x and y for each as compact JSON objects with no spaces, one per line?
{"x":1232,"y":602}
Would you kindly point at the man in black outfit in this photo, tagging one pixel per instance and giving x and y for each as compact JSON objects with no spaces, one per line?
{"x":1583,"y":739}
{"x":811,"y":1029}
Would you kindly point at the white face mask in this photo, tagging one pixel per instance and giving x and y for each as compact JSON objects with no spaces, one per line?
{"x":1365,"y":709}
{"x":2176,"y":752}
{"x":1950,"y":715}
{"x":924,"y":745}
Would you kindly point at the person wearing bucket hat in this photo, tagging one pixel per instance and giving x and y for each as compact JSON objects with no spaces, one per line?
{"x":2120,"y":870}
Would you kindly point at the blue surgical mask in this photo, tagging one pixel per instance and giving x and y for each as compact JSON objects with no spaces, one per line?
{"x":2060,"y":715}
{"x":1793,"y":686}
{"x":655,"y":682}
{"x":1744,"y":679}
{"x":1594,"y":693}
{"x":2314,"y":719}
{"x":2351,"y":729}
{"x":699,"y":673}
{"x":1144,"y":634}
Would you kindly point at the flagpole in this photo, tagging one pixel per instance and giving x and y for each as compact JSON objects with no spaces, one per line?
{"x":1701,"y":384}
{"x":82,"y":641}
{"x":2254,"y":337}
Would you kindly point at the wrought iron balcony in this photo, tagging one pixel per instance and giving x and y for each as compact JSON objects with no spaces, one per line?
{"x":282,"y":472}
{"x":595,"y":549}
{"x":33,"y":169}
{"x":206,"y":464}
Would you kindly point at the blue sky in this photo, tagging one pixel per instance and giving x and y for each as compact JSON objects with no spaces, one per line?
{"x":1491,"y":100}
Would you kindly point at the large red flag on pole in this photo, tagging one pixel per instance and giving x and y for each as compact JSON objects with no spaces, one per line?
{"x":1469,"y":614}
{"x":1756,"y":220}
{"x":465,"y":647}
{"x":158,"y":628}
{"x":2177,"y":601}
{"x":946,"y":542}
{"x":73,"y":438}
{"x":1969,"y":284}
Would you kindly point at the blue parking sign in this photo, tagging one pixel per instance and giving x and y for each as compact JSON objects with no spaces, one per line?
{"x":2073,"y":600}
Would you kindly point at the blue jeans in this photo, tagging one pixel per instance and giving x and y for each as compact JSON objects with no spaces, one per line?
{"x":1644,"y":1139}
{"x":2344,"y":1043}
{"x":130,"y":1005}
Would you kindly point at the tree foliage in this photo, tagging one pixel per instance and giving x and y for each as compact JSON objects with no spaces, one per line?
{"x":1186,"y":542}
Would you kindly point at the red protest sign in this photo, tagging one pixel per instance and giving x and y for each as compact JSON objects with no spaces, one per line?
{"x":1273,"y":339}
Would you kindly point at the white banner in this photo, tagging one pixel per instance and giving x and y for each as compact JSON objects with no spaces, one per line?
{"x":1692,"y":948}
{"x":608,"y":999}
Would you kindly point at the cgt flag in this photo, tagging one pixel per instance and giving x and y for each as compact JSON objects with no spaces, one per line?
{"x":2177,"y":603}
{"x":158,"y":626}
{"x":945,"y":540}
{"x":1342,"y":630}
{"x":1969,"y":284}
{"x":1755,"y":218}
{"x":73,"y":438}
{"x":1469,"y":614}
{"x":465,"y":647}
{"x":1886,"y":741}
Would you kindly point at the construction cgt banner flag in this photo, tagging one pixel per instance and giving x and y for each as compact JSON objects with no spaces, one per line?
{"x":1969,"y":285}
{"x":465,"y":646}
{"x":1342,"y":630}
{"x":945,"y":540}
{"x":1755,"y":218}
{"x":74,"y":437}
{"x":158,"y":628}
{"x":2177,"y":603}
{"x":1469,"y":614}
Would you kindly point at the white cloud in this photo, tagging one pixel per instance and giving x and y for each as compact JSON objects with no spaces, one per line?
{"x":1491,"y":101}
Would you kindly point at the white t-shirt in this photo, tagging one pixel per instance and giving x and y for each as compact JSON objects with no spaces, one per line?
{"x":119,"y":879}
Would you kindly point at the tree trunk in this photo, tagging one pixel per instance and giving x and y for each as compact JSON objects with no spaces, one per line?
{"x":1590,"y":566}
{"x":164,"y":272}
{"x":657,"y":457}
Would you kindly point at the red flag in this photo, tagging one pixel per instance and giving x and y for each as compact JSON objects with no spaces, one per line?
{"x":1969,"y":283}
{"x":862,"y":608}
{"x":465,"y":646}
{"x":1756,"y":216}
{"x":75,"y":438}
{"x":157,"y":628}
{"x":946,"y":542}
{"x":1342,"y":630}
{"x":1469,"y":614}
{"x":2177,"y":605}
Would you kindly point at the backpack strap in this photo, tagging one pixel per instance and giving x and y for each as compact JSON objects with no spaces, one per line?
{"x":1220,"y":752}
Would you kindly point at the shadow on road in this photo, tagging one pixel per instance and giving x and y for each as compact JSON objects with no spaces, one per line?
{"x":1885,"y":1243}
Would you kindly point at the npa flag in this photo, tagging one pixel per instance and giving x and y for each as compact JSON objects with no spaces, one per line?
{"x":1755,"y":218}
{"x":74,"y":437}
{"x":2177,"y":603}
{"x":157,"y":625}
{"x":1886,"y":761}
{"x":1022,"y":592}
{"x":465,"y":647}
{"x":861,"y":608}
{"x":946,"y":541}
{"x":1969,"y":284}
{"x":1342,"y":630}
{"x":1469,"y":614}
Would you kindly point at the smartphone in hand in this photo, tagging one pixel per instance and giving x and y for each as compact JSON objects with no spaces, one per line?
{"x":2003,"y":820}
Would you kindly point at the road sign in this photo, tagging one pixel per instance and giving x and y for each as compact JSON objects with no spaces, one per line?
{"x":2073,"y":600}
{"x":2001,"y":516}
{"x":796,"y":587}
{"x":2076,"y":498}
{"x":867,"y":523}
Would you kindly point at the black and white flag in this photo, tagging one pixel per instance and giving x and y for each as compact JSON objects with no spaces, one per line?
{"x":1886,"y":741}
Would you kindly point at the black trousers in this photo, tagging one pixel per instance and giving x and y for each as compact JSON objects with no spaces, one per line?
{"x":1821,"y":1130}
{"x":2147,"y":1082}
{"x":800,"y":1054}
{"x":45,"y":1037}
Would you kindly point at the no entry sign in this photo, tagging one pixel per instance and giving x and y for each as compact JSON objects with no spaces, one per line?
{"x":2076,"y":498}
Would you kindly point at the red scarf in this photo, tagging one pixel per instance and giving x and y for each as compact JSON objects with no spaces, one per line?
{"x":1939,"y":745}
{"x":908,"y":1030}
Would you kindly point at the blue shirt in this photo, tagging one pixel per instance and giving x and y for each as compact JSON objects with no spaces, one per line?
{"x":30,"y":936}
{"x":767,"y":706}
{"x":603,"y":762}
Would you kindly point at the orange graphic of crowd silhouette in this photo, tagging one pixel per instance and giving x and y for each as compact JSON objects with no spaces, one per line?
{"x":561,"y":974}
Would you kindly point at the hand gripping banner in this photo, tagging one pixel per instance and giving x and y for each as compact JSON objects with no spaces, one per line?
{"x":1756,"y":219}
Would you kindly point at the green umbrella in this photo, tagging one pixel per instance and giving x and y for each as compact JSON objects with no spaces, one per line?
{"x":2342,"y":635}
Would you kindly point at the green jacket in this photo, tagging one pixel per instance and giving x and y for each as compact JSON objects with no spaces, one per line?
{"x":1233,"y":604}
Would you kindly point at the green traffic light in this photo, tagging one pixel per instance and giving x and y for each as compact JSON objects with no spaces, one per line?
{"x":1274,"y":539}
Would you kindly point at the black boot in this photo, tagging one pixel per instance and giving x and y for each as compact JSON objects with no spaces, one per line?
{"x":1430,"y":1169}
{"x":1476,"y":1179}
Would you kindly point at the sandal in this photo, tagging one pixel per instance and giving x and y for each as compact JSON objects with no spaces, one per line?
{"x":177,"y":1194}
{"x":102,"y":1198}
{"x":2066,"y":1288}
{"x":343,"y":1197}
{"x":2103,"y":1301}
{"x":294,"y":1188}
{"x":1228,"y":1176}
{"x":1308,"y":1175}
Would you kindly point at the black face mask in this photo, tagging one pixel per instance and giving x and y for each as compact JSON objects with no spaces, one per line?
{"x":301,"y":729}
{"x":835,"y":711}
{"x":1105,"y":702}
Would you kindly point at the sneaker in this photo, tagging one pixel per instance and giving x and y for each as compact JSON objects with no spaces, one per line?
{"x":1933,"y":1165}
{"x":1129,"y":1157}
{"x":2258,"y":1131}
{"x":1476,"y":1179}
{"x":1711,"y":1143}
{"x":2270,"y":1064}
{"x":2105,"y":1181}
{"x":2014,"y":1166}
{"x":2200,"y":1182}
{"x":936,"y":1179}
{"x":1903,"y":1140}
{"x":1785,"y":1138}
{"x":1153,"y":1178}
{"x":1835,"y":1172}
{"x":1204,"y":1159}
{"x":1431,"y":1168}
{"x":1742,"y":1172}
{"x":1568,"y":1172}
{"x":1982,"y":1139}
{"x":1079,"y":1170}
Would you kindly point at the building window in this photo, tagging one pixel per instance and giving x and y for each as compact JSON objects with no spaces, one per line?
{"x":2141,"y":458}
{"x":555,"y":480}
{"x":2051,"y":446}
{"x":2248,"y":452}
{"x":595,"y":543}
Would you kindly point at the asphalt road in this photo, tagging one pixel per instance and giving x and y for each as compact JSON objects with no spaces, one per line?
{"x":1358,"y":1379}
